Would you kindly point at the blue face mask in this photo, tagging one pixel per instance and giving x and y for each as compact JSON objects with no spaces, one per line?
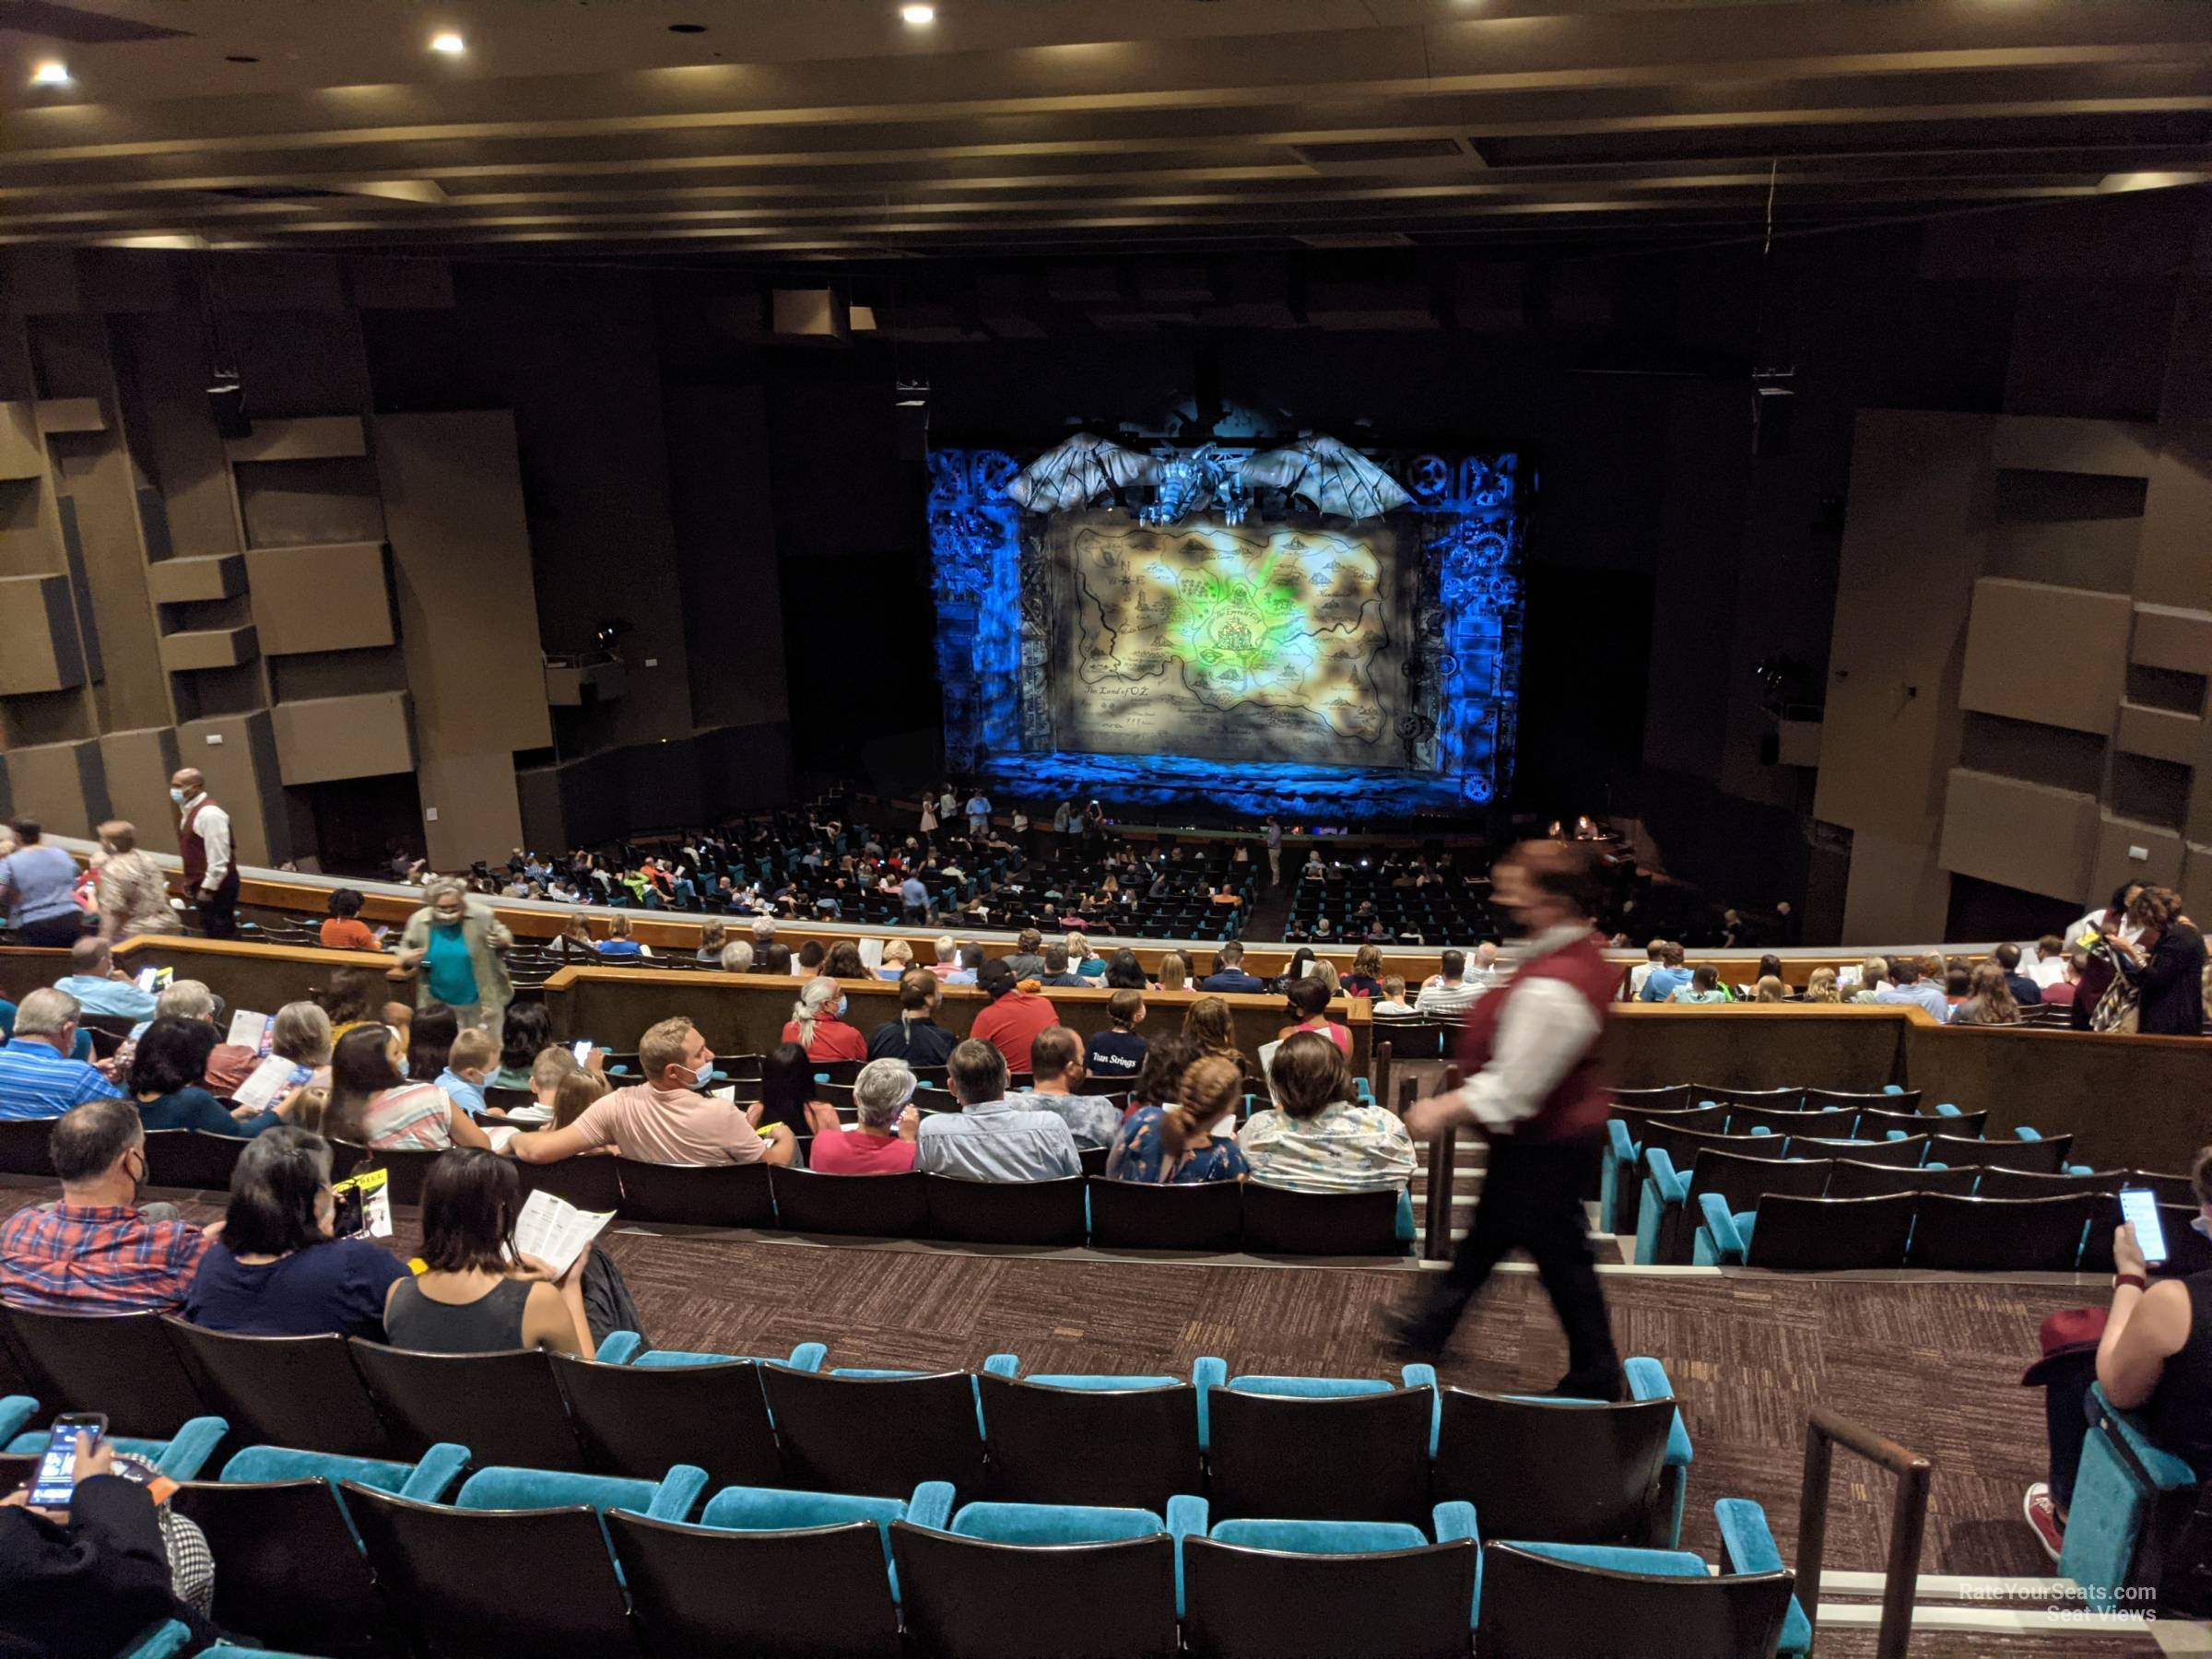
{"x":840,"y":1007}
{"x":177,"y":796}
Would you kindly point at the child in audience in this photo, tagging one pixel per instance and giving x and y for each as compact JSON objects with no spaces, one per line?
{"x":1393,"y":1000}
{"x":547,"y":1071}
{"x":1172,"y":1143}
{"x":1120,"y":1051}
{"x":572,"y":1095}
{"x":468,"y":1068}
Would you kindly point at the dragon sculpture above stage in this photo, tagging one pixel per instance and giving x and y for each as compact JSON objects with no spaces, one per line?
{"x":1322,"y":474}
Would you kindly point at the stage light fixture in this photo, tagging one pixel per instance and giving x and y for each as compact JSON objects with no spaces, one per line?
{"x":52,"y":73}
{"x":918,"y":17}
{"x":447,"y":41}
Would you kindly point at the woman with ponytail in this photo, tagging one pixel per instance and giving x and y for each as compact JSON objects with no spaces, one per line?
{"x":1170,"y":1142}
{"x":817,"y":1023}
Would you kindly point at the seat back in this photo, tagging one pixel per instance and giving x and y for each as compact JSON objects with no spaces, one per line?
{"x":1742,"y":1182}
{"x":284,"y":1391}
{"x":1358,"y":1457}
{"x":1562,"y":1472}
{"x":641,"y":1420}
{"x":121,"y":1364}
{"x":504,"y":1407}
{"x":1006,"y":1212}
{"x":1535,"y":1607}
{"x":467,"y":1582}
{"x":2025,"y":1183}
{"x":2171,"y":1189}
{"x":721,"y":1196}
{"x":1786,"y":1099}
{"x":883,"y":1436}
{"x":1241,"y":1603}
{"x":589,"y":1184}
{"x":1673,"y":1098}
{"x":191,"y":1159}
{"x":1206,"y":1216}
{"x":1960,"y":1234}
{"x":1853,"y":1178}
{"x":23,"y":1148}
{"x":1838,"y":1121}
{"x":1907,"y":1154}
{"x":1831,"y":1235}
{"x":405,"y":1170}
{"x":288,"y":1566}
{"x":821,"y":1592}
{"x":1279,"y":1222}
{"x":1126,"y":1448}
{"x":1905,"y":1100}
{"x":976,"y":1600}
{"x":1875,"y":1122}
{"x":2038,"y":1157}
{"x":881,"y":1206}
{"x":1684,"y":1145}
{"x":1712,"y":1119}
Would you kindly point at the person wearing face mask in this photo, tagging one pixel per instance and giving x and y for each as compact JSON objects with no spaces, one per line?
{"x":1534,"y":1091}
{"x":817,"y":1023}
{"x":664,"y":1119}
{"x":455,"y":948}
{"x":97,"y":1251}
{"x":210,"y":867}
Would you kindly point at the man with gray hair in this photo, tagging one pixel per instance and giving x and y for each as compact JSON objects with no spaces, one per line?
{"x":37,"y":1077}
{"x":764,"y":932}
{"x":229,"y":1063}
{"x":881,"y":1141}
{"x":96,"y":1252}
{"x":990,"y":1138}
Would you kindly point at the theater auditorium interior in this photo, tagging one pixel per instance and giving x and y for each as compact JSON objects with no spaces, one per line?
{"x":1235,"y":827}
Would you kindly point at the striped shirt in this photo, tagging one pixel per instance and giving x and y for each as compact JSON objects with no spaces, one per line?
{"x":415,"y":1116}
{"x":36,"y":1082}
{"x":98,"y":1258}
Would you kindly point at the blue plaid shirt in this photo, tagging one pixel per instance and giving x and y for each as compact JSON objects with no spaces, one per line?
{"x":35,"y":1082}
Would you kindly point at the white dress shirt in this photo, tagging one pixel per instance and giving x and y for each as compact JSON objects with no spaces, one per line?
{"x":213,"y":827}
{"x":1544,"y":1033}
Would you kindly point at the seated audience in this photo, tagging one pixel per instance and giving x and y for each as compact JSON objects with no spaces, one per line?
{"x":476,"y":1295}
{"x":1654,"y":954}
{"x":944,"y":959}
{"x":1317,"y":1138}
{"x":1770,"y":989}
{"x":1956,"y":980}
{"x":1874,"y":974}
{"x":39,"y":1076}
{"x":618,"y":942}
{"x":736,"y":956}
{"x":575,"y":1092}
{"x":1821,"y":986}
{"x":38,"y":884}
{"x":527,"y":1032}
{"x":574,"y":940}
{"x":817,"y":1023}
{"x":787,"y":1087}
{"x":898,"y":956}
{"x":1450,"y":993}
{"x":1489,"y":971}
{"x":1083,"y":961}
{"x":1119,"y":1051}
{"x":1309,"y":1010}
{"x":713,"y":935}
{"x":1907,"y":987}
{"x":2050,"y":965}
{"x":99,"y":986}
{"x":1366,"y":977}
{"x":882,"y":1140}
{"x":356,"y":998}
{"x":373,"y":1104}
{"x":664,"y":1119}
{"x":1208,"y":1023}
{"x":343,"y":929}
{"x":1174,"y":973}
{"x":1704,"y":986}
{"x":276,"y":1269}
{"x":1393,"y":1000}
{"x":1056,"y":1061}
{"x":841,"y":961}
{"x":2164,"y":965}
{"x":915,"y":1037}
{"x":1028,"y":959}
{"x":2061,"y":992}
{"x":300,"y":1033}
{"x":97,"y":1251}
{"x":1172,"y":1141}
{"x":2026,"y":991}
{"x":988,"y":1139}
{"x":1013,"y":1017}
{"x":1988,"y":1000}
{"x":1770,"y":967}
{"x":133,"y":893}
{"x":167,"y":1081}
{"x":229,"y":1063}
{"x":1229,"y":973}
{"x":775,"y":959}
{"x":469,"y":1066}
{"x":1668,"y":977}
{"x":1058,"y":974}
{"x":429,"y":1040}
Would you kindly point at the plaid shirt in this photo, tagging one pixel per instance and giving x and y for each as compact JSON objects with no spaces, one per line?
{"x":96,"y":1259}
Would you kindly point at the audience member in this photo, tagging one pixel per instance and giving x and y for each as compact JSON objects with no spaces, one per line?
{"x":1208,"y":1023}
{"x":736,"y":956}
{"x":664,"y":1119}
{"x":1229,"y":975}
{"x":713,"y":935}
{"x":2026,"y":990}
{"x":573,"y":1093}
{"x":1174,"y":973}
{"x":1956,"y":979}
{"x":1171,"y":1142}
{"x":813,"y":953}
{"x":1119,"y":1051}
{"x":527,"y":1032}
{"x":38,"y":883}
{"x":574,"y":940}
{"x":229,"y":1063}
{"x":356,"y":998}
{"x":786,"y":1089}
{"x":618,"y":941}
{"x":133,"y":893}
{"x":476,"y":1294}
{"x":915,"y":1037}
{"x":1704,"y":986}
{"x":470,"y":1065}
{"x":817,"y":1023}
{"x":1393,"y":1000}
{"x":1873,"y":973}
{"x":455,"y":948}
{"x":1821,"y":986}
{"x":841,"y":961}
{"x":1083,"y":961}
{"x":1488,"y":969}
{"x":989,"y":1139}
{"x":2050,"y":965}
{"x":1906,"y":986}
{"x":39,"y":1075}
{"x":1770,"y":989}
{"x":1989,"y":999}
{"x":882,"y":1140}
{"x":1027,"y":960}
{"x":2061,"y":992}
{"x":1057,"y":1058}
{"x":373,"y":1104}
{"x":1013,"y":1017}
{"x":1654,"y":953}
{"x":1058,"y":975}
{"x":2113,"y":921}
{"x":1661,"y":983}
{"x":1366,"y":977}
{"x":277,"y":1269}
{"x":1309,"y":1010}
{"x":1447,"y":995}
{"x":167,"y":1081}
{"x":97,"y":1251}
{"x":898,"y":956}
{"x":300,"y":1033}
{"x":100,"y":987}
{"x":429,"y":1040}
{"x":208,"y":853}
{"x":2164,"y":965}
{"x":776,"y":960}
{"x":343,"y":929}
{"x":1317,"y":1138}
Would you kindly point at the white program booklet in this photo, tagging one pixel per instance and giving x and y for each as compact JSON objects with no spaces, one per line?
{"x":249,"y":1030}
{"x":556,"y":1231}
{"x":871,"y":953}
{"x":271,"y":1081}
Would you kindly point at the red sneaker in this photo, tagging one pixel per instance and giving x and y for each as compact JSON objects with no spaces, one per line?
{"x":2042,"y":1511}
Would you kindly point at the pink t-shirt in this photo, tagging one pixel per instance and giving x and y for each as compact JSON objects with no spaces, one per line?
{"x":671,"y":1127}
{"x":850,"y":1152}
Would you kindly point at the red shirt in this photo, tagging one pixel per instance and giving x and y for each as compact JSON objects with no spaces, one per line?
{"x":348,"y":932}
{"x":850,"y":1152}
{"x":2060,"y":994}
{"x":1010,"y":1025}
{"x":833,"y":1038}
{"x":93,"y":1259}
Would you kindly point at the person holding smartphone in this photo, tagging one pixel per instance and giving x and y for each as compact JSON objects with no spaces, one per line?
{"x":2154,"y":1356}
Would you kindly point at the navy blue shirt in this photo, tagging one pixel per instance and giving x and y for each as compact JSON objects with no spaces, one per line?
{"x":193,"y":1108}
{"x":1113,"y":1054}
{"x":339,"y":1285}
{"x":1232,"y":980}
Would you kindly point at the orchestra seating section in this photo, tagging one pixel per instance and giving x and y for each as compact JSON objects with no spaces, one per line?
{"x":1391,"y":901}
{"x":363,"y":1501}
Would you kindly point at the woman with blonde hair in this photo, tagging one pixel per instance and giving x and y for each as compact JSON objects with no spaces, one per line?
{"x":898,"y":956}
{"x":1209,"y":1024}
{"x":1324,"y":970}
{"x":618,"y":942}
{"x":133,"y":895}
{"x":1174,"y":974}
{"x":817,"y":1023}
{"x":1171,"y":1142}
{"x":1082,"y":960}
{"x":1770,"y":989}
{"x":1820,"y":987}
{"x":1366,"y":977}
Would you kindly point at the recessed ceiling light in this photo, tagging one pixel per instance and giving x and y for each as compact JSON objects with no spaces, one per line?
{"x":52,"y":73}
{"x":918,"y":16}
{"x":687,"y":29}
{"x":448,"y":42}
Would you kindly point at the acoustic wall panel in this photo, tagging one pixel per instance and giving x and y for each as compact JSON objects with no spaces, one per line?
{"x":2170,"y":566}
{"x":189,"y":581}
{"x":237,"y":753}
{"x":321,"y":739}
{"x":302,"y":438}
{"x":2023,"y":835}
{"x":2159,"y":733}
{"x":2170,"y":637}
{"x":39,"y":649}
{"x":2015,"y":627}
{"x":206,"y":648}
{"x":2129,"y":851}
{"x":332,"y":596}
{"x":60,"y":785}
{"x":138,"y":766}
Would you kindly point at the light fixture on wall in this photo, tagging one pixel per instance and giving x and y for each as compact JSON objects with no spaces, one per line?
{"x":918,"y":17}
{"x":52,"y":73}
{"x":449,"y":43}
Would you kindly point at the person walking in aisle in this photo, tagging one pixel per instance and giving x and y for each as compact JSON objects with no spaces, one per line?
{"x":1535,"y":1090}
{"x":210,"y":862}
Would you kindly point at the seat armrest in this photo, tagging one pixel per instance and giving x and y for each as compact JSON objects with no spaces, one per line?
{"x":1648,"y":1380}
{"x":2161,"y":1469}
{"x":1002,"y":1365}
{"x":1747,"y":1546}
{"x":1932,"y":1165}
{"x":1422,"y":1375}
{"x":621,"y":1348}
{"x":1891,"y":1135}
{"x":1727,"y":1241}
{"x":188,"y":1450}
{"x":1455,"y":1523}
{"x":1187,"y":1518}
{"x":435,"y":1474}
{"x":1207,"y":1374}
{"x":678,"y":1493}
{"x":807,"y":1356}
{"x":1945,"y":1109}
{"x":1673,"y":1188}
{"x":2026,"y":1133}
{"x":1617,"y":1139}
{"x":930,"y":1505}
{"x":2079,"y":1170}
{"x":15,"y":1411}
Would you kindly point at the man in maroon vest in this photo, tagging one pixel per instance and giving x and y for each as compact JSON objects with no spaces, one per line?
{"x":1533,"y":1089}
{"x":211,"y":863}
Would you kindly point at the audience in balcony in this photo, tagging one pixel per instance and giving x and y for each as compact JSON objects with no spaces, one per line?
{"x":2164,"y":965}
{"x":471,"y":1299}
{"x":1906,"y":987}
{"x":1229,"y":975}
{"x":1170,"y":1141}
{"x":817,"y":1023}
{"x":1668,"y":977}
{"x":882,"y":1140}
{"x":132,"y":893}
{"x":1118,"y":1052}
{"x":99,"y":986}
{"x":1057,"y":1072}
{"x":1450,"y":992}
{"x":343,"y":929}
{"x":373,"y":1104}
{"x":665,"y":1120}
{"x":98,"y":1250}
{"x":1989,"y":999}
{"x":276,"y":1269}
{"x":169,"y":1078}
{"x":40,"y":1077}
{"x":1308,"y":1011}
{"x":1013,"y":1017}
{"x":1317,"y":1138}
{"x":38,"y":884}
{"x":1704,"y":986}
{"x":915,"y":1037}
{"x":990,"y":1138}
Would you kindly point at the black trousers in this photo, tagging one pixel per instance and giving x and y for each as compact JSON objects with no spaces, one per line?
{"x":1532,"y":1200}
{"x":218,"y":909}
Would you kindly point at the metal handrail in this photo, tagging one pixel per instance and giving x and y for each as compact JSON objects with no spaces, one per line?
{"x":1825,"y":1431}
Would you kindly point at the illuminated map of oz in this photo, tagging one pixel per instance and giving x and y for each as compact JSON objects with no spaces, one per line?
{"x":1247,"y":643}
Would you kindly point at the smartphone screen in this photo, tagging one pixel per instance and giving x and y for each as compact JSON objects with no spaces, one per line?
{"x":583,"y":1050}
{"x":56,"y":1479}
{"x":350,"y":1216}
{"x":2139,"y":1207}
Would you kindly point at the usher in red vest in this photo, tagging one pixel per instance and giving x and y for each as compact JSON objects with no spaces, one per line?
{"x":192,"y":847}
{"x":1575,"y":1110}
